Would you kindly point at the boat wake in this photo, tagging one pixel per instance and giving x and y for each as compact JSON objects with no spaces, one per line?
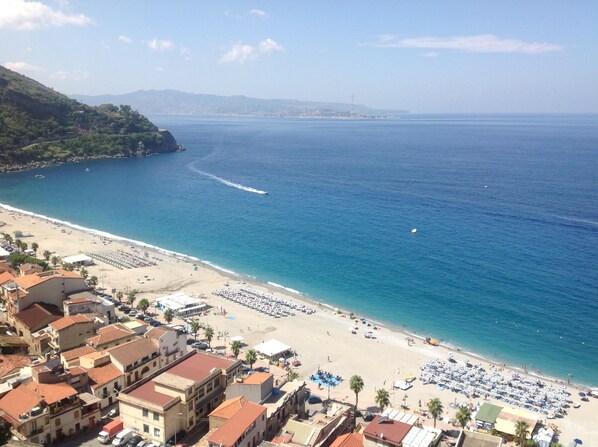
{"x":228,"y":182}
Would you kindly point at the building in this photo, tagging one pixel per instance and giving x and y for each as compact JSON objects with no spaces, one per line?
{"x":280,"y":399}
{"x":47,"y":409}
{"x":475,"y":439}
{"x":31,"y":320}
{"x":137,"y":359}
{"x":181,"y":304}
{"x":88,"y":303}
{"x":110,"y":336}
{"x":72,"y":358}
{"x":172,"y":344}
{"x":508,"y":417}
{"x":273,"y":350}
{"x":29,"y":269}
{"x":178,"y":396}
{"x":71,"y":332}
{"x":486,"y":416}
{"x":137,"y":326}
{"x":105,"y":379}
{"x":395,"y":428}
{"x":348,"y":440}
{"x":245,"y":428}
{"x":79,"y":260}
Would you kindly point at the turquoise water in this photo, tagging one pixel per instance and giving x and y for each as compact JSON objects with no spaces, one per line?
{"x":506,"y":209}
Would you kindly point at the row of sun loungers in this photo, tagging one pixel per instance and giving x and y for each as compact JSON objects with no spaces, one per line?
{"x":514,"y":389}
{"x":263,"y":302}
{"x":121,"y":259}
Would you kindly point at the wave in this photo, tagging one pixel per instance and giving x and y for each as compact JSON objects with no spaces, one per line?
{"x":574,"y":219}
{"x":228,"y":182}
{"x":288,"y":289}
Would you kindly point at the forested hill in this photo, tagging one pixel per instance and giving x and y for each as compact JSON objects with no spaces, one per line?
{"x":39,"y":126}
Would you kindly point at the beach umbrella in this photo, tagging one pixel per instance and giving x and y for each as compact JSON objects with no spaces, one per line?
{"x":577,"y":441}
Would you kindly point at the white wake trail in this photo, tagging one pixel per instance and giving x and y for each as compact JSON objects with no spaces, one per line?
{"x":228,"y":182}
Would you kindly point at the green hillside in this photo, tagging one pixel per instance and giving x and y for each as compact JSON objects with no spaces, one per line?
{"x":40,"y":126}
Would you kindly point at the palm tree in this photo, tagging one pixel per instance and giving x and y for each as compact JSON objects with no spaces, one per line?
{"x":119,"y":295}
{"x":34,"y":247}
{"x":195,"y":327}
{"x":68,"y":266}
{"x":84,"y":273}
{"x":8,"y":238}
{"x":47,"y":254}
{"x":356,"y":385}
{"x":93,"y":281}
{"x":236,"y":346}
{"x":292,"y":375}
{"x":463,"y":416}
{"x":435,"y":408}
{"x":132,"y":296}
{"x":209,"y":333}
{"x":143,"y":304}
{"x":521,"y":429}
{"x":55,"y":261}
{"x":251,"y":357}
{"x":382,"y":398}
{"x":168,"y":315}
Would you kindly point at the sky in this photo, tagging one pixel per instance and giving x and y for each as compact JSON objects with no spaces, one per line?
{"x":423,"y":56}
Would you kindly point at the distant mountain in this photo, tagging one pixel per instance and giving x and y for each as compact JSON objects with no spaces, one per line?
{"x":173,"y":102}
{"x":40,"y":126}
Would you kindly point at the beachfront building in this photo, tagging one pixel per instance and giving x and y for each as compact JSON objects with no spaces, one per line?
{"x":46,"y":408}
{"x":79,"y":260}
{"x":110,"y":336}
{"x":137,"y":359}
{"x":476,"y":439}
{"x":273,"y":350}
{"x":31,"y":320}
{"x":172,"y":344}
{"x":181,"y":304}
{"x":51,"y":287}
{"x":245,"y":427}
{"x":89,"y":303}
{"x":395,"y":428}
{"x":504,"y":419}
{"x":71,"y":332}
{"x":281,"y":399}
{"x":178,"y":396}
{"x":485,"y":418}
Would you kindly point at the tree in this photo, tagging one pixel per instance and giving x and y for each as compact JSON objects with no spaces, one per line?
{"x":143,"y":304}
{"x":119,"y":295}
{"x":168,"y":315}
{"x":18,"y":244}
{"x":68,"y":266}
{"x":84,"y":273}
{"x":47,"y":254}
{"x":521,"y":429}
{"x":435,"y":408}
{"x":8,"y":238}
{"x":251,"y":357}
{"x":195,"y":327}
{"x":292,"y":375}
{"x":132,"y":296}
{"x":356,"y":385}
{"x":463,"y":416}
{"x":55,"y":261}
{"x":382,"y":398}
{"x":93,"y":281}
{"x":34,"y":247}
{"x":209,"y":334}
{"x":236,"y":346}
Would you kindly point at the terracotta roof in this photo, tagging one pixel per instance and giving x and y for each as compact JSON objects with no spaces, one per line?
{"x":28,"y":267}
{"x":13,"y":361}
{"x":101,"y":375}
{"x":148,"y":393}
{"x":25,"y":397}
{"x":132,"y":351}
{"x":110,"y":333}
{"x":257,"y":378}
{"x":284,"y":439}
{"x":391,"y":431}
{"x":198,"y":366}
{"x":228,"y":434}
{"x":77,"y":352}
{"x":4,"y":267}
{"x":38,"y":316}
{"x":6,"y":277}
{"x":348,"y":440}
{"x":229,"y":407}
{"x":65,"y":322}
{"x":37,"y":278}
{"x":77,"y":371}
{"x":157,"y":332}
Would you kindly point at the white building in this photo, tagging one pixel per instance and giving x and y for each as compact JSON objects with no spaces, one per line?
{"x":181,"y":304}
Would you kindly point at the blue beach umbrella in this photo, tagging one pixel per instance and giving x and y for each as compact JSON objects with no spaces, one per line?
{"x":577,"y":441}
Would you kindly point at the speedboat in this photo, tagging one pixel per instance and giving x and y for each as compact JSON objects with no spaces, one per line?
{"x":413,"y":230}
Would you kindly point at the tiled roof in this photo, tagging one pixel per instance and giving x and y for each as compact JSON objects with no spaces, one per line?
{"x":148,"y":393}
{"x":65,"y":322}
{"x":101,"y":375}
{"x":393,"y":432}
{"x":6,"y":277}
{"x":37,"y":278}
{"x":199,"y":366}
{"x":77,"y":352}
{"x":229,"y":407}
{"x":348,"y":440}
{"x":132,"y":351}
{"x":12,"y":361}
{"x":38,"y":316}
{"x":228,"y":434}
{"x":157,"y":332}
{"x":109,"y":334}
{"x":257,"y":378}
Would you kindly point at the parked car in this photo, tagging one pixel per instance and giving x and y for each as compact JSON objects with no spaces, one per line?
{"x":142,"y":443}
{"x":134,"y":441}
{"x":179,"y":435}
{"x":122,"y":437}
{"x":368,"y":416}
{"x":314,"y":400}
{"x":200,"y":345}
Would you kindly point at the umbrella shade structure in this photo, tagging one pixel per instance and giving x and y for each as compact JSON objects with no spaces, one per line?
{"x":237,"y":338}
{"x":577,"y":441}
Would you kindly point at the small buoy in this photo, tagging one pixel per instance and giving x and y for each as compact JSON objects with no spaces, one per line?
{"x":485,"y":186}
{"x":414,"y":230}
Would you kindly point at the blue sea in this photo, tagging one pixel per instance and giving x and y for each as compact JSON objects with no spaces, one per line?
{"x":504,"y":262}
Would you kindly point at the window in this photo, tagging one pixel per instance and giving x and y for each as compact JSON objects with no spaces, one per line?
{"x":156,"y":416}
{"x":190,"y":406}
{"x":76,"y":414}
{"x":57,"y":422}
{"x":145,"y":412}
{"x":145,"y":428}
{"x":156,"y":432}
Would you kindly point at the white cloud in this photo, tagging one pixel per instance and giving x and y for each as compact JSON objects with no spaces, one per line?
{"x":159,"y":68}
{"x":258,"y":13}
{"x":430,"y":54}
{"x":185,"y":53}
{"x":269,"y":46}
{"x":125,"y":39}
{"x":239,"y":53}
{"x":24,"y":15}
{"x":160,"y":44}
{"x":74,"y":75}
{"x":484,"y":43}
{"x":24,"y":67}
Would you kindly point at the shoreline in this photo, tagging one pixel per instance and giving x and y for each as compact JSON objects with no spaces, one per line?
{"x":272,"y":287}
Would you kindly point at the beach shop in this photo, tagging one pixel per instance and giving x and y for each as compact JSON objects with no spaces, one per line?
{"x":273,"y":350}
{"x":485,"y":419}
{"x":181,"y":304}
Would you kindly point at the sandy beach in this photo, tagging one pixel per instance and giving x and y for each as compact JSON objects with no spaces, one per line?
{"x":323,"y":339}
